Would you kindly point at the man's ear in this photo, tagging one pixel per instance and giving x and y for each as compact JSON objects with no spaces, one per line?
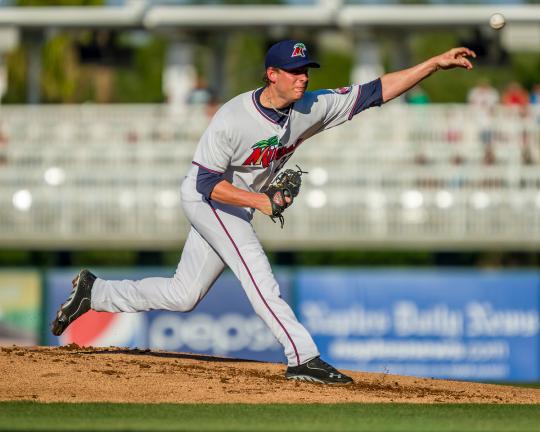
{"x":271,"y":73}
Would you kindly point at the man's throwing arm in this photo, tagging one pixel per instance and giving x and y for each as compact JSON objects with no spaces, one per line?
{"x":395,"y":84}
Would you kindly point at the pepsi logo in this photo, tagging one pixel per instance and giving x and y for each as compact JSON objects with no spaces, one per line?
{"x":106,"y":329}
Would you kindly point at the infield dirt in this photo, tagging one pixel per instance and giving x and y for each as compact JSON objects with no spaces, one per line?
{"x":86,"y":374}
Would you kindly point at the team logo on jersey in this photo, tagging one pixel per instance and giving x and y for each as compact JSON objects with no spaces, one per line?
{"x":342,"y":90}
{"x":299,"y":50}
{"x":264,"y":152}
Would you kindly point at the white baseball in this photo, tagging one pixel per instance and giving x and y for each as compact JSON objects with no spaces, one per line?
{"x":497,"y":21}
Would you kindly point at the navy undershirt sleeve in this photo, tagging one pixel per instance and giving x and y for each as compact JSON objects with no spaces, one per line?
{"x":370,"y":96}
{"x":206,"y":181}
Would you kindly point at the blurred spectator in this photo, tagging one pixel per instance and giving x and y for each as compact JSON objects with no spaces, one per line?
{"x":417,"y":96}
{"x":484,"y":98}
{"x":483,"y":95}
{"x":454,"y":122}
{"x":515,"y":95}
{"x":212,"y":106}
{"x":534,"y":97}
{"x":201,"y":94}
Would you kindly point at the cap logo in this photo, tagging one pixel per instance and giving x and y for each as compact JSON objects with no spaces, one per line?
{"x":299,"y":50}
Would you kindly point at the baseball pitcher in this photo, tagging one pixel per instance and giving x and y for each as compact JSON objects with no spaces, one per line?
{"x":237,"y":170}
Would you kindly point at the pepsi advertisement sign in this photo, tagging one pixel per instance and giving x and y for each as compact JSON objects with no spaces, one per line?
{"x":462,"y":325}
{"x":222,"y":324}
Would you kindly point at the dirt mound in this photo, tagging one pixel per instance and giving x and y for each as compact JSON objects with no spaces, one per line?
{"x":85,"y":374}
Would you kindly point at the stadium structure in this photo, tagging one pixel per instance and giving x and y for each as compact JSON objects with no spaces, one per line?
{"x":79,"y":176}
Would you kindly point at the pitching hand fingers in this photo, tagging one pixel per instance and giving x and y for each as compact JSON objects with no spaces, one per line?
{"x":457,"y":57}
{"x":463,"y":51}
{"x":464,"y":63}
{"x":468,"y":64}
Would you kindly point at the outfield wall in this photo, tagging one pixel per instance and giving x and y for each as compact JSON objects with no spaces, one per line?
{"x":465,"y":324}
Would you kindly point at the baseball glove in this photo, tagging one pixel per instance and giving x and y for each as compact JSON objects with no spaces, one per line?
{"x":286,"y":185}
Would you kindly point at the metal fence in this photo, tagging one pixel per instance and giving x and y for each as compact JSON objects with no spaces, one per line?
{"x":434,"y":176}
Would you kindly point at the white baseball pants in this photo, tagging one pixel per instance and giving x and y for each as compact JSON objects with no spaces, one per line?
{"x":220,"y":235}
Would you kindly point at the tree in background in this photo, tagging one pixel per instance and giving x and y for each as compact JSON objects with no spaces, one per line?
{"x":68,"y":78}
{"x":142,"y":80}
{"x":16,"y":63}
{"x":244,"y":62}
{"x":61,"y":75}
{"x":336,"y":66}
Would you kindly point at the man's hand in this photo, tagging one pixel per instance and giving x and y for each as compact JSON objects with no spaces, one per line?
{"x":226,"y":193}
{"x":455,"y":58}
{"x":264,"y":204}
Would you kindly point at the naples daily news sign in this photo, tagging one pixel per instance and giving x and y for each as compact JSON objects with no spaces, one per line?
{"x":463,"y":325}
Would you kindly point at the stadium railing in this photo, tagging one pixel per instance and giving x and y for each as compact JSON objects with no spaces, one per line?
{"x":402,"y":176}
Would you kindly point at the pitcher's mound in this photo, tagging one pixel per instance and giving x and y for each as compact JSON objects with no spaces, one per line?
{"x":85,"y":374}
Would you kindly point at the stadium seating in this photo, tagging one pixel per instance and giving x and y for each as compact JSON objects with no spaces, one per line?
{"x":109,"y":175}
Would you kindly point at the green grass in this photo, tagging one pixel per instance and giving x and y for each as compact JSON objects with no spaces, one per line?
{"x":29,"y":416}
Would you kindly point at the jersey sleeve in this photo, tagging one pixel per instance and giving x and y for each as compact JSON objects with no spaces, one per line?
{"x":207,"y":181}
{"x":214,"y":150}
{"x":342,"y":104}
{"x":369,"y":95}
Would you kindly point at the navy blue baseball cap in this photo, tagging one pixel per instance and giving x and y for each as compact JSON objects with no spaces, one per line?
{"x":289,"y":54}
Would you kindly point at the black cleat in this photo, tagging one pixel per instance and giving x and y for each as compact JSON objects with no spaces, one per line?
{"x":77,"y":303}
{"x":317,"y":370}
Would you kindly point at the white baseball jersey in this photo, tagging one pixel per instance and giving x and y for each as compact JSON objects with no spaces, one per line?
{"x":246,"y":145}
{"x":249,"y":148}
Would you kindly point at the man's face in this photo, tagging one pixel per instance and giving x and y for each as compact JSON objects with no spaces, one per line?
{"x":290,"y":84}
